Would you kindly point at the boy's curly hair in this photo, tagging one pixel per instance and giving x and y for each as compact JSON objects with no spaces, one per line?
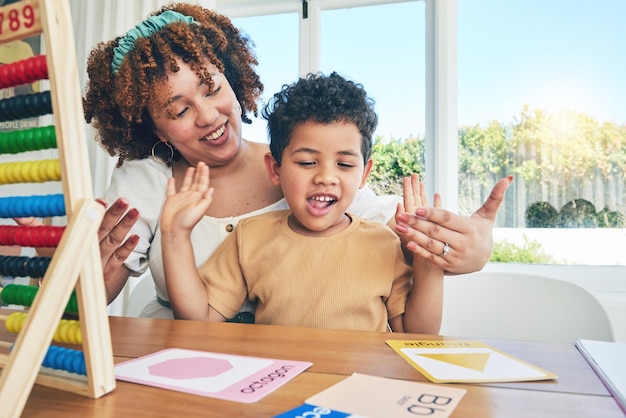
{"x":115,"y":104}
{"x":322,"y":99}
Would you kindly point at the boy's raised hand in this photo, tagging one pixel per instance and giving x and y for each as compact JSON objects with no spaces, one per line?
{"x":184,"y":209}
{"x":414,"y":197}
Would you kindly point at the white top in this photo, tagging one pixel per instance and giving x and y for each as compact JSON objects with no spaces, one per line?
{"x":143,"y":183}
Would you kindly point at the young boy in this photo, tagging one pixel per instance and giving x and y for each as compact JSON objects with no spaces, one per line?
{"x":313,"y":265}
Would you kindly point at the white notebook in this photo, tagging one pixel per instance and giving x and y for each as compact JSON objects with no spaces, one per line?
{"x":608,"y":360}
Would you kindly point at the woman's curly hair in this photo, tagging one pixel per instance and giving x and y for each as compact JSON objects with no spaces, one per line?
{"x":322,"y":99}
{"x":115,"y":104}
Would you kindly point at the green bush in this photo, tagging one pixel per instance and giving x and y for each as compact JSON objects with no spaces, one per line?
{"x":541,"y":215}
{"x":577,"y":213}
{"x":530,"y":252}
{"x":607,"y":218}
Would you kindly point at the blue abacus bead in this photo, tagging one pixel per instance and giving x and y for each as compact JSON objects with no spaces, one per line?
{"x":60,"y":358}
{"x":79,"y":363}
{"x":60,"y":205}
{"x":15,"y":206}
{"x":80,"y":366}
{"x":7,"y":207}
{"x":47,"y":204}
{"x":48,"y":360}
{"x":28,"y":206}
{"x":68,"y":361}
{"x":43,"y":206}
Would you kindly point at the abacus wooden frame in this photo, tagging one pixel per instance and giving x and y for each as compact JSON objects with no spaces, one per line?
{"x":76,"y":263}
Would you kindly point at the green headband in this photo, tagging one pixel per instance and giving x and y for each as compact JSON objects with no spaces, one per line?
{"x":146,"y":28}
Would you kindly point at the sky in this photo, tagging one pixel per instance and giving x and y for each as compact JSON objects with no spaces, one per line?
{"x":549,"y":54}
{"x":553,"y":54}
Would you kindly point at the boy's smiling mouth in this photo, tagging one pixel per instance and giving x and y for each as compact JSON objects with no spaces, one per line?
{"x":322,"y":201}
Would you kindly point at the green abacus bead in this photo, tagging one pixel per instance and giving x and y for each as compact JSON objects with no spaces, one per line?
{"x":50,"y":139}
{"x":13,"y":147}
{"x":37,"y":139}
{"x":7,"y":294}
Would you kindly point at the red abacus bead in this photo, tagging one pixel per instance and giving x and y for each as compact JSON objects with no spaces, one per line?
{"x":4,"y":76}
{"x":20,"y":72}
{"x":31,"y":237}
{"x":51,"y":237}
{"x":19,"y":236}
{"x":11,"y":235}
{"x":28,"y":237}
{"x":42,"y":66}
{"x":41,"y":235}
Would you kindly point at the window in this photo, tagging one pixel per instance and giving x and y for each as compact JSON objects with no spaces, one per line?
{"x":277,"y":53}
{"x":541,"y":92}
{"x":383,"y":48}
{"x":380,"y":44}
{"x":512,"y":75}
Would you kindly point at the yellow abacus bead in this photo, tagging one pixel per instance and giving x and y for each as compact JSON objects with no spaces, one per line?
{"x":15,"y":322}
{"x":10,"y":167}
{"x":44,"y":171}
{"x":33,"y":173}
{"x":24,"y":171}
{"x":14,"y":175}
{"x":41,"y":170}
{"x":53,"y":170}
{"x":63,"y":331}
{"x":17,"y":172}
{"x":57,"y":333}
{"x":21,"y":320}
{"x":3,"y":174}
{"x":75,"y":334}
{"x":10,"y":323}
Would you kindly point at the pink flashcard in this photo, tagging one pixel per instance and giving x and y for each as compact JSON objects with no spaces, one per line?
{"x":223,"y":376}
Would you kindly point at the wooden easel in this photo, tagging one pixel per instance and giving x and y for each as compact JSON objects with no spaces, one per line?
{"x":76,"y":264}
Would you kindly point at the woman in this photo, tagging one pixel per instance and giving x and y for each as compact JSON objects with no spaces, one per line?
{"x":158,"y":125}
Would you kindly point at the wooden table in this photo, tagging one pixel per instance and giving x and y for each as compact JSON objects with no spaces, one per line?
{"x":334,"y":354}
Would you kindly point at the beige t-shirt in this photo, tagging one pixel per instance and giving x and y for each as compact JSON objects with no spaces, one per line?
{"x":356,"y":279}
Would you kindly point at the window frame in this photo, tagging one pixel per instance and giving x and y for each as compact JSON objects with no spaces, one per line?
{"x":441,"y":67}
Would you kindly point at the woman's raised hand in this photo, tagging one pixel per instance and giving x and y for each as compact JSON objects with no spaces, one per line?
{"x":469,"y":238}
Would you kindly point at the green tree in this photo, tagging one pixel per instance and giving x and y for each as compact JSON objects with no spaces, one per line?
{"x":393,"y":160}
{"x":484,"y":158}
{"x":555,"y":158}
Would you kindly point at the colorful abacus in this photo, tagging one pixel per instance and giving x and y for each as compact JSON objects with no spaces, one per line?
{"x":67,"y":332}
{"x":74,"y":272}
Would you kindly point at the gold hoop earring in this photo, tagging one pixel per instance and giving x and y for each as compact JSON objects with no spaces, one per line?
{"x":158,"y":159}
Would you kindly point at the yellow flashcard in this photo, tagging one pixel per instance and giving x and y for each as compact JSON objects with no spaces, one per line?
{"x":466,"y":361}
